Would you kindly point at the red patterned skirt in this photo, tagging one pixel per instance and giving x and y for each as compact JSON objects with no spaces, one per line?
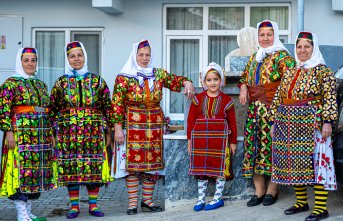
{"x":210,"y":152}
{"x":144,"y":139}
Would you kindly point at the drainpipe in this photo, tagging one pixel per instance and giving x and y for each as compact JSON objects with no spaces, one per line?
{"x":301,"y":15}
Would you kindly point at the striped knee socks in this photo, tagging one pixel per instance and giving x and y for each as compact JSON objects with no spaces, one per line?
{"x":301,"y":194}
{"x":74,"y":198}
{"x":92,"y":198}
{"x":320,"y":198}
{"x":132,"y":184}
{"x":148,"y":189}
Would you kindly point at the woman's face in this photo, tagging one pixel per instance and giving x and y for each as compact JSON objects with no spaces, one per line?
{"x":143,"y":57}
{"x":29,"y":63}
{"x":265,"y":37}
{"x":76,"y":59}
{"x":304,"y":50}
{"x":213,"y":81}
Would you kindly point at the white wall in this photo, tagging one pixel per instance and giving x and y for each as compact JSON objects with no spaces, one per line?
{"x":143,"y":19}
{"x":326,"y":23}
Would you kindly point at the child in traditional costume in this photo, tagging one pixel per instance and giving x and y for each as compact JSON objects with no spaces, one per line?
{"x":212,"y":137}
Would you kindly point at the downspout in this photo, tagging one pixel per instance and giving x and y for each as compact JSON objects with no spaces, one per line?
{"x":301,"y":15}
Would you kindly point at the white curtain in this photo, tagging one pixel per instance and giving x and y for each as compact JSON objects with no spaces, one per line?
{"x":277,"y":14}
{"x":91,"y":42}
{"x":226,"y":18}
{"x":50,"y":46}
{"x":184,"y":60}
{"x":184,"y":18}
{"x":219,"y":47}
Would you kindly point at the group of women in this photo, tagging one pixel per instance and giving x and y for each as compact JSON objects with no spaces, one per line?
{"x":62,"y":139}
{"x":292,"y":108}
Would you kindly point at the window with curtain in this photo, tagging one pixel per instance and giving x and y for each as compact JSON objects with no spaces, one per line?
{"x":226,"y":18}
{"x":217,"y":26}
{"x":219,"y":47}
{"x":184,"y":18}
{"x":184,"y":60}
{"x":277,"y":14}
{"x":50,"y":45}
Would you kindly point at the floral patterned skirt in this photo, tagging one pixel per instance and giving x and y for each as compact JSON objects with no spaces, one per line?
{"x":81,"y":152}
{"x":144,"y":139}
{"x":29,"y":167}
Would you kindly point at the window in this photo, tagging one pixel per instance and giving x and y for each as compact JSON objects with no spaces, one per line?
{"x":50,"y":44}
{"x":195,"y":35}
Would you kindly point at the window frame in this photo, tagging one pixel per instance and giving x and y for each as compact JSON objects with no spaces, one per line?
{"x":205,"y":33}
{"x":68,"y":36}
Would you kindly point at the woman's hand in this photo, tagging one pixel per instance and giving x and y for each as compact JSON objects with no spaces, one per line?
{"x":233,"y":148}
{"x":272,"y":131}
{"x":119,"y":134}
{"x":326,"y":130}
{"x":10,"y":141}
{"x":189,"y":146}
{"x":189,"y":89}
{"x":243,"y":94}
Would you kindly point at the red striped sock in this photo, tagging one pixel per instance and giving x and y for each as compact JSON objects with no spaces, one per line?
{"x":148,"y":190}
{"x":132,"y":184}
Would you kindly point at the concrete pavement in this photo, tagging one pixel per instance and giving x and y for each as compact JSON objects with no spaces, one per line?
{"x":113,"y":201}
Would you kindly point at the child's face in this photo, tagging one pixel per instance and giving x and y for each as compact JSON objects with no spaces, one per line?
{"x":213,"y":81}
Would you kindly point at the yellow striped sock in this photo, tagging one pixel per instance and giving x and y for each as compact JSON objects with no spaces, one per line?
{"x":320,"y":199}
{"x":301,"y":194}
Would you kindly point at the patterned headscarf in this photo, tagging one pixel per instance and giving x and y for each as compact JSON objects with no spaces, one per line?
{"x":316,"y":57}
{"x":70,"y":71}
{"x":19,"y":71}
{"x":132,"y":69}
{"x":277,"y":45}
{"x":215,"y":67}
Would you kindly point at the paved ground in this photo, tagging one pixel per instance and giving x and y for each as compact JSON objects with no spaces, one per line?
{"x":113,"y":201}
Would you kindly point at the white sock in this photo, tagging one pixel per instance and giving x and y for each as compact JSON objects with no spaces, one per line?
{"x":22,"y":211}
{"x":202,"y":187}
{"x":28,"y":207}
{"x":220,"y":183}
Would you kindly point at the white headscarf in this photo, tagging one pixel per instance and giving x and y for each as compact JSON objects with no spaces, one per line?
{"x":19,"y":71}
{"x":132,"y":69}
{"x":316,"y":57}
{"x":70,"y":70}
{"x":216,"y":67}
{"x":277,"y":45}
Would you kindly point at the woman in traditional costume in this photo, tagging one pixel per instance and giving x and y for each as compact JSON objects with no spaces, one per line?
{"x":303,"y":112}
{"x":136,"y":104}
{"x":258,"y":84}
{"x":27,"y":151}
{"x":80,"y":107}
{"x":212,"y":137}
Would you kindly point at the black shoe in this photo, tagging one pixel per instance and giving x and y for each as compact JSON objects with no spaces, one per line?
{"x":132,"y":211}
{"x":152,"y":209}
{"x":295,"y":210}
{"x":255,"y":200}
{"x":269,"y":199}
{"x":315,"y":217}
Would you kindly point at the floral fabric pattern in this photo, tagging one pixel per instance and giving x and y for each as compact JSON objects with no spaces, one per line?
{"x":80,"y":108}
{"x":23,"y":166}
{"x":257,"y":139}
{"x":127,"y":93}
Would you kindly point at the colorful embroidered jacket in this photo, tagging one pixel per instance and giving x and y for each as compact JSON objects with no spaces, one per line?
{"x":317,"y":85}
{"x":17,"y":91}
{"x":127,"y":89}
{"x":271,"y":68}
{"x":219,"y":107}
{"x":90,"y":91}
